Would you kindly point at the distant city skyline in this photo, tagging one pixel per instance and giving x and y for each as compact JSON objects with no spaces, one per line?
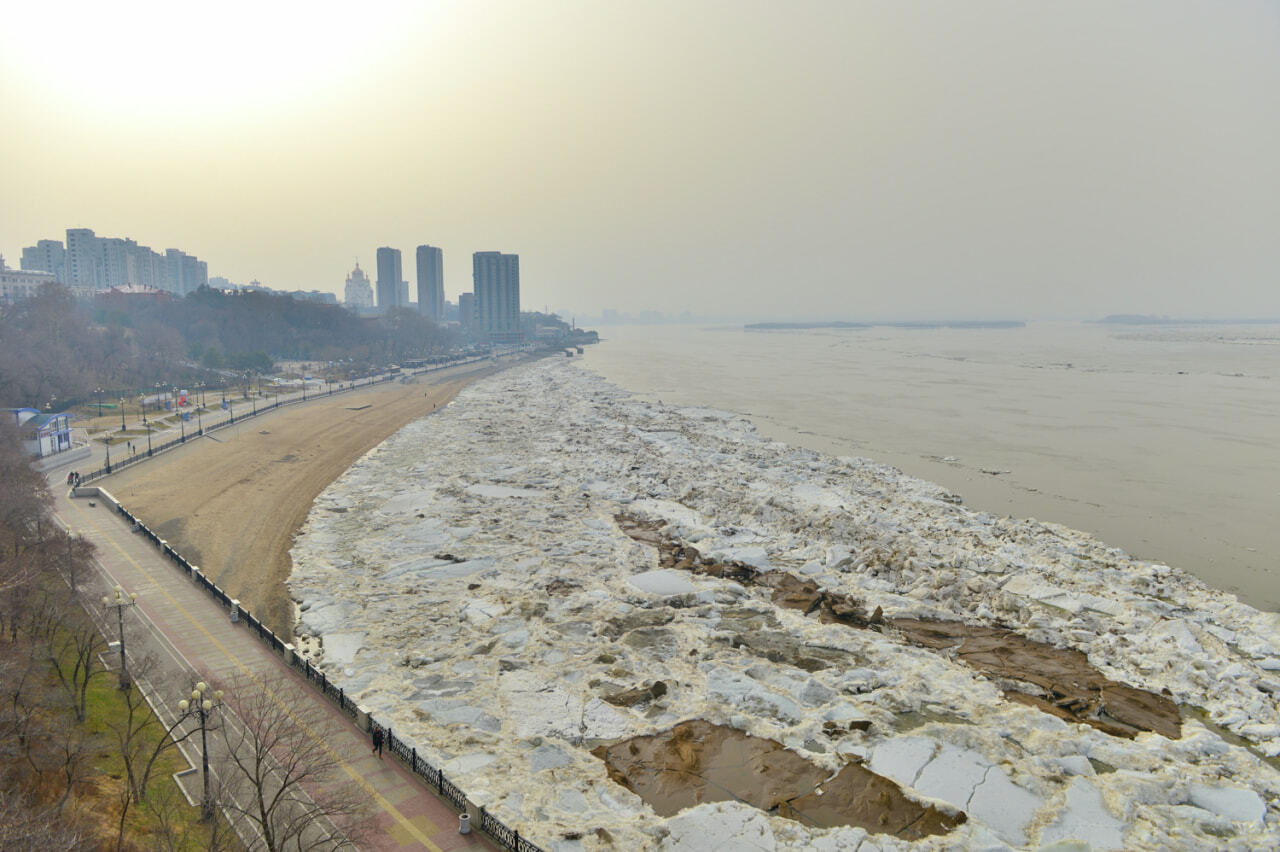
{"x":846,"y":160}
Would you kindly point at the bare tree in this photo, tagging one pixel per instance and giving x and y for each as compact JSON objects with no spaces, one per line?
{"x":280,"y":772}
{"x":25,"y":827}
{"x":73,"y":653}
{"x":165,"y":805}
{"x":142,"y":739}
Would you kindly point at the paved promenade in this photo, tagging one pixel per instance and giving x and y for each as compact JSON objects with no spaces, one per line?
{"x":190,"y":637}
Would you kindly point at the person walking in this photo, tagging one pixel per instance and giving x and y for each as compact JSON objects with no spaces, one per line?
{"x":377,"y":740}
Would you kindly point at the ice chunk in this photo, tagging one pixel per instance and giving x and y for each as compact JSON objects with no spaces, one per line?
{"x":722,"y":827}
{"x":341,"y":648}
{"x":662,"y":582}
{"x":902,"y":759}
{"x":952,"y":775}
{"x":327,"y":615}
{"x":1004,"y":807}
{"x":1085,"y":819}
{"x":503,"y":491}
{"x":548,"y":757}
{"x":1234,"y":803}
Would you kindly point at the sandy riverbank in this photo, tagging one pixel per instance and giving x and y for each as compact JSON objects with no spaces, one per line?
{"x":233,"y":501}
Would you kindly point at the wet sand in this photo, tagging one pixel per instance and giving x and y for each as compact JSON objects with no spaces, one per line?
{"x":233,"y":501}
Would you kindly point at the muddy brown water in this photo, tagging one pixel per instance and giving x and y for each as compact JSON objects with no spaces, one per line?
{"x":697,"y":762}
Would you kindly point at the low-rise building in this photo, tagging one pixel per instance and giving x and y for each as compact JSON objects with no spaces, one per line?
{"x":42,"y":434}
{"x":19,"y":284}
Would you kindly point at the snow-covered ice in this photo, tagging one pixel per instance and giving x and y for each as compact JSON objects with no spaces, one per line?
{"x":476,"y":593}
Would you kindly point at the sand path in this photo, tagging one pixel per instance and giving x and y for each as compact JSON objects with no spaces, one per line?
{"x":233,"y":501}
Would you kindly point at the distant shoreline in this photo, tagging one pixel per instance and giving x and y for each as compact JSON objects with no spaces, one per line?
{"x":786,"y":326}
{"x":1144,"y":319}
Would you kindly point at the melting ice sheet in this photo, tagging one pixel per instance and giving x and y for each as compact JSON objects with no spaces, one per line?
{"x":478,"y":595}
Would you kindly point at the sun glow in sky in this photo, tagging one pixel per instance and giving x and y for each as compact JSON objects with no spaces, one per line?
{"x":818,"y":159}
{"x":210,"y":60}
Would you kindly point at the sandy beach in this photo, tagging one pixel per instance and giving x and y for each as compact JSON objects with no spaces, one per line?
{"x":233,"y":501}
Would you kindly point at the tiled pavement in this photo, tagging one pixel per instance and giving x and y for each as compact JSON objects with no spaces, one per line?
{"x":190,"y":637}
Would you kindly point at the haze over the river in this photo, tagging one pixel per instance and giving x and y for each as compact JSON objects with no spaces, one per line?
{"x":822,"y":159}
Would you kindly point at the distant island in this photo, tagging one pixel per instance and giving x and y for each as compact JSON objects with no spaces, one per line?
{"x":1148,"y":319}
{"x":775,"y":326}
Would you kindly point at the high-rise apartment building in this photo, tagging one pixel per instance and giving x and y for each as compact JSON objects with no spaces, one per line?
{"x":46,"y":256}
{"x":90,"y":263}
{"x":431,"y":282}
{"x":496,"y":284}
{"x":84,"y":265}
{"x":389,"y":278}
{"x":466,"y":311}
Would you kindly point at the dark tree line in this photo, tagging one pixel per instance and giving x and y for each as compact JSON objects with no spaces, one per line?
{"x":49,"y":656}
{"x":56,"y":352}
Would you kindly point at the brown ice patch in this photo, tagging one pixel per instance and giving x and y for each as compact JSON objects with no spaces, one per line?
{"x":1068,"y":686}
{"x":697,"y":762}
{"x":1058,"y":681}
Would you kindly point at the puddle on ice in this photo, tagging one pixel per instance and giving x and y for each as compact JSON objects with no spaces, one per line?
{"x":698,"y":762}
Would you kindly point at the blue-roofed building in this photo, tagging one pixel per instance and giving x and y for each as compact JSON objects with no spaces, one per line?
{"x":43,"y":434}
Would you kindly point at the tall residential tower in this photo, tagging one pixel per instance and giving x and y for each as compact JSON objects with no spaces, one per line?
{"x":431,"y":282}
{"x":388,"y":278}
{"x":496,"y":283}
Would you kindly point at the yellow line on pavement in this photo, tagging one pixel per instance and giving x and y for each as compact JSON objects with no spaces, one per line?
{"x":408,"y":826}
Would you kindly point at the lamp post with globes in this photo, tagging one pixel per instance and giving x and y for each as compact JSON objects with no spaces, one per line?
{"x":202,"y":706}
{"x":118,"y":600}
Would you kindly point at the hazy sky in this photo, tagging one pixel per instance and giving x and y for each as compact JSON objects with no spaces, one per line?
{"x":801,"y":159}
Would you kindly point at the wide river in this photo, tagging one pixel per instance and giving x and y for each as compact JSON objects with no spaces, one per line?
{"x":1161,"y":440}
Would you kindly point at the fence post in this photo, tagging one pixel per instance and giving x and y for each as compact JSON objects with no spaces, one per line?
{"x":439,"y":780}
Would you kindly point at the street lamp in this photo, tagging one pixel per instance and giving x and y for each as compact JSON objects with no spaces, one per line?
{"x":108,"y":455}
{"x":118,"y":600}
{"x":121,"y":414}
{"x":98,"y":394}
{"x":202,"y":707}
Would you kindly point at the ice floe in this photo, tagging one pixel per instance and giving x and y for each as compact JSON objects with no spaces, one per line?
{"x":468,"y":584}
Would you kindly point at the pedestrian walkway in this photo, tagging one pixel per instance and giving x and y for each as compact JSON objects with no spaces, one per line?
{"x":192,"y":638}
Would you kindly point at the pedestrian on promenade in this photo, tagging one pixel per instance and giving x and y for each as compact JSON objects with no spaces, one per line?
{"x":377,"y":740}
{"x":70,"y":475}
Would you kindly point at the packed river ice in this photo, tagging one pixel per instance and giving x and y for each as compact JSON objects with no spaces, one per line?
{"x":468,"y":584}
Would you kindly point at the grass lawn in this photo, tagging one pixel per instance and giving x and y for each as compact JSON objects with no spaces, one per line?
{"x":164,"y":815}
